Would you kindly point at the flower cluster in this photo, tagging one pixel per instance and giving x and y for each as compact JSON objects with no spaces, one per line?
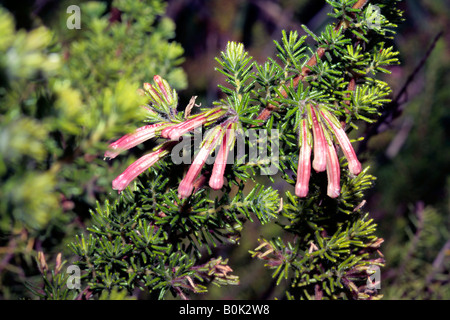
{"x":171,"y":126}
{"x":317,"y":128}
{"x":220,"y":137}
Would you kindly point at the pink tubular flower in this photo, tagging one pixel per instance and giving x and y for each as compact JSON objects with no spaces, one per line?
{"x":176,"y":131}
{"x":216,"y":180}
{"x":209,"y":144}
{"x":333,"y":172}
{"x":320,"y":153}
{"x":164,"y":87}
{"x":133,"y":139}
{"x":148,"y":87}
{"x":160,"y":91}
{"x":139,"y":166}
{"x":304,"y":163}
{"x":354,"y":165}
{"x":163,"y":98}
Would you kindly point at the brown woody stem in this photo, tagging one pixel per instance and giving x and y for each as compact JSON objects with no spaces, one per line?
{"x":267,"y":111}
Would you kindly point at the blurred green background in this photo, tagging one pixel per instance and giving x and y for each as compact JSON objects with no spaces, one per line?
{"x":54,"y":169}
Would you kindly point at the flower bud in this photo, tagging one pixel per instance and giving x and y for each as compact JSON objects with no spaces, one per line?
{"x":42,"y":263}
{"x":58,"y":263}
{"x":164,"y":88}
{"x":147,"y":86}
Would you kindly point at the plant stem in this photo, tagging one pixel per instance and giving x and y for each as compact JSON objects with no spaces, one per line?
{"x":267,"y":111}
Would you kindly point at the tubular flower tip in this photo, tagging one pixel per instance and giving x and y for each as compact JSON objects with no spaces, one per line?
{"x":148,"y":88}
{"x":354,"y":165}
{"x":186,"y":186}
{"x":138,"y":167}
{"x":161,"y":92}
{"x":333,"y":172}
{"x":164,"y":88}
{"x":304,"y":163}
{"x":133,"y":139}
{"x":216,"y":180}
{"x":320,"y":153}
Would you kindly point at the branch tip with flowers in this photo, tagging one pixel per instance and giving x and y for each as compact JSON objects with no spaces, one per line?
{"x":311,"y":101}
